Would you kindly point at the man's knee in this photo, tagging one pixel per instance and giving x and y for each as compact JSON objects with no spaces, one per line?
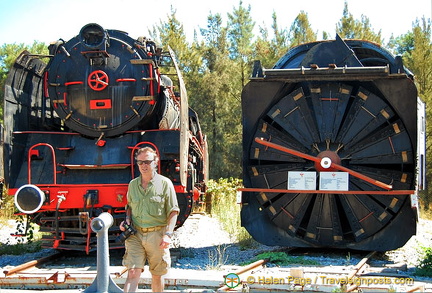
{"x":134,"y":273}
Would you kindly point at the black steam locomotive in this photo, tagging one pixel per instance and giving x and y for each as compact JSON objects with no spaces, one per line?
{"x":72,"y":127}
{"x":333,"y":144}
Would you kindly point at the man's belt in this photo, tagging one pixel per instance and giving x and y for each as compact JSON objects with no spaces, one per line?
{"x":151,"y":229}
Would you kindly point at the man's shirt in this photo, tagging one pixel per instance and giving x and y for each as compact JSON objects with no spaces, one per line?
{"x":151,"y":207}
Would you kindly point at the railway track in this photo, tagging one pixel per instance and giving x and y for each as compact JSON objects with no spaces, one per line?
{"x":63,"y":271}
{"x":339,"y":271}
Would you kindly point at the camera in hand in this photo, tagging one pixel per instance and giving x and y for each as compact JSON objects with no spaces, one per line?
{"x":128,"y":232}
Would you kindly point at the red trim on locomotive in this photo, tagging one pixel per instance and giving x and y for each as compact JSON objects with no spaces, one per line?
{"x":100,"y":104}
{"x":73,"y":83}
{"x":113,"y":195}
{"x":98,"y":80}
{"x":45,"y":85}
{"x":30,"y":153}
{"x":125,"y":79}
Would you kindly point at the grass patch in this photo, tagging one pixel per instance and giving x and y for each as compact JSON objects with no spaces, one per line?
{"x":283,"y":259}
{"x":20,"y":248}
{"x":217,"y":257}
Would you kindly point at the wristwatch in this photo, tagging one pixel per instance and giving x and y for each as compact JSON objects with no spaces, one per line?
{"x":169,"y":234}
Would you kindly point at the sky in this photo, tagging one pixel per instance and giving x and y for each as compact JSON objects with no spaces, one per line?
{"x":24,"y":21}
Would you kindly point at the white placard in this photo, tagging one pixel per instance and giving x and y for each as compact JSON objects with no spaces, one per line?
{"x":334,"y":181}
{"x":301,"y":180}
{"x":239,"y":197}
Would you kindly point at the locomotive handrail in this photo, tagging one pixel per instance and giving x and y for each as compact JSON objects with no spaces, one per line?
{"x":331,"y":72}
{"x":53,"y":156}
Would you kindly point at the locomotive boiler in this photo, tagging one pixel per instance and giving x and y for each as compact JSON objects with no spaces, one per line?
{"x":333,"y":148}
{"x":73,"y":125}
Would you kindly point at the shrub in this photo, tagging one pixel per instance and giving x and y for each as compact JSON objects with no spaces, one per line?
{"x":424,"y":269}
{"x":222,"y":195}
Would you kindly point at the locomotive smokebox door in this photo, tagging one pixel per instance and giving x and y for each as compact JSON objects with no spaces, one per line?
{"x":101,"y":85}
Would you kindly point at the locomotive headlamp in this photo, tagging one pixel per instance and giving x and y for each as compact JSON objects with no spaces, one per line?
{"x":29,"y":198}
{"x":93,"y":36}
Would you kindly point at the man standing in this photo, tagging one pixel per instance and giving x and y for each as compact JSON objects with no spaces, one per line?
{"x":152,"y":210}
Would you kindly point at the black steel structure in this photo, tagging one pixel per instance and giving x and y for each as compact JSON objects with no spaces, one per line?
{"x":341,"y":108}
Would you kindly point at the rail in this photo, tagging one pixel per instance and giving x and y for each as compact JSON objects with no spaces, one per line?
{"x":255,"y":277}
{"x":31,"y":264}
{"x":332,"y":72}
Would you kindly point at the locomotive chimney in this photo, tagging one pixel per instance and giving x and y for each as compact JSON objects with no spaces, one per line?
{"x":94,"y":37}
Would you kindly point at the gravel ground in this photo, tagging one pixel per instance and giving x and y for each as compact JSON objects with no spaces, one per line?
{"x":411,"y":253}
{"x":208,"y":239}
{"x":202,"y":244}
{"x":13,"y":260}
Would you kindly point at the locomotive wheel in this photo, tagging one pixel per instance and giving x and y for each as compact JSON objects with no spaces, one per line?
{"x":351,"y":126}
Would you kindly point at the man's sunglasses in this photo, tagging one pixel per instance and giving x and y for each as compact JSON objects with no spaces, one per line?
{"x":147,"y":162}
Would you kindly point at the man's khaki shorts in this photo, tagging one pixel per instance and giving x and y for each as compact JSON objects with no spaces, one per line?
{"x":146,"y":246}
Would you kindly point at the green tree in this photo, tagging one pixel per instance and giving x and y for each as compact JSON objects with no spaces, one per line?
{"x":268,"y":51}
{"x":416,"y":50}
{"x":219,"y":103}
{"x":171,"y":34}
{"x":240,"y":35}
{"x":227,"y":79}
{"x":301,"y":31}
{"x":350,"y":28}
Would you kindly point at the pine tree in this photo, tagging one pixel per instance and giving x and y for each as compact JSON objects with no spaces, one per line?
{"x":301,"y":31}
{"x":350,"y":28}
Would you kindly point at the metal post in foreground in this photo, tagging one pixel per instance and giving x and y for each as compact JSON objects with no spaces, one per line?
{"x":103,"y":282}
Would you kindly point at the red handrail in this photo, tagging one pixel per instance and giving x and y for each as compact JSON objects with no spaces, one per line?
{"x":53,"y":156}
